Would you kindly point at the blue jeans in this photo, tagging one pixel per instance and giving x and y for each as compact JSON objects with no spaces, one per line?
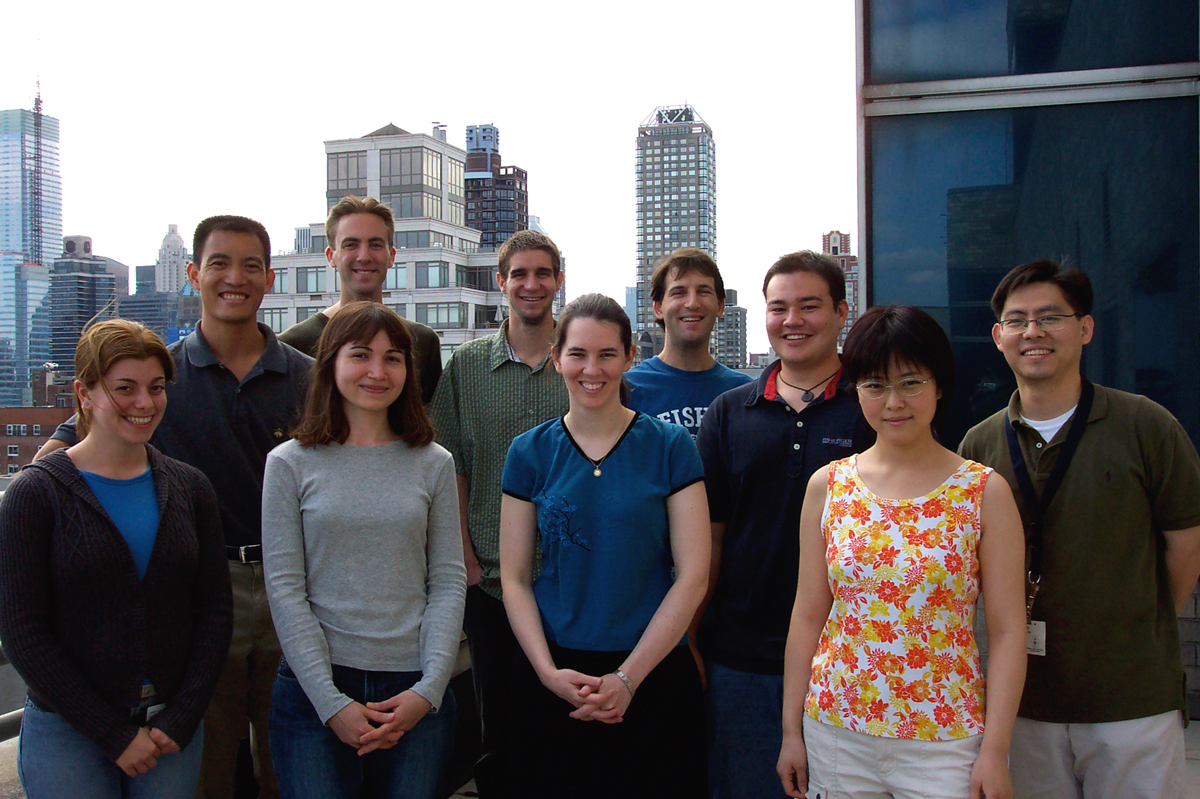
{"x":54,"y":760}
{"x":311,"y":762}
{"x":745,"y":732}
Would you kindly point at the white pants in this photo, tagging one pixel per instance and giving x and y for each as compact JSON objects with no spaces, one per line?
{"x":844,"y":764}
{"x":1134,"y":759}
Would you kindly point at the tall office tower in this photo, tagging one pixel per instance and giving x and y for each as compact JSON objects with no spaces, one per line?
{"x":837,"y":244}
{"x":441,"y":275}
{"x":82,"y":290}
{"x":676,"y":180}
{"x":728,"y":341}
{"x":170,"y":270}
{"x":144,"y":279}
{"x":497,"y":196}
{"x":30,"y":236}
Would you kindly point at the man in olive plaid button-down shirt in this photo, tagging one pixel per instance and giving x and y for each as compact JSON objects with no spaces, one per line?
{"x":492,"y":390}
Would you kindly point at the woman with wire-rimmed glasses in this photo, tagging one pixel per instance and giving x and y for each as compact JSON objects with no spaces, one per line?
{"x":883,"y":687}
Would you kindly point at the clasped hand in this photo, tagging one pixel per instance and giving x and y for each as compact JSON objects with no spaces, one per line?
{"x":143,"y":751}
{"x":595,"y":698}
{"x":379,"y":725}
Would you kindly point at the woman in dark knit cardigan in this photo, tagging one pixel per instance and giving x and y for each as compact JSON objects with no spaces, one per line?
{"x":114,"y":589}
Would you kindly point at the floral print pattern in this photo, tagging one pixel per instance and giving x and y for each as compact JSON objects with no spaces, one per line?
{"x":556,"y":520}
{"x":897,"y":657}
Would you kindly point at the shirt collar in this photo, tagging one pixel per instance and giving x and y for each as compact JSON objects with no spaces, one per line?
{"x":768,"y":389}
{"x":502,"y":351}
{"x":200,"y":355}
{"x":1099,"y":407}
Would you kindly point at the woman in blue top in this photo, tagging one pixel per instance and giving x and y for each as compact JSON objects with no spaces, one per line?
{"x":114,"y":589}
{"x":614,"y":502}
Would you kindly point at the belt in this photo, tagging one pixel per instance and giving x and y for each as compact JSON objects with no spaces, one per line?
{"x":251,"y":553}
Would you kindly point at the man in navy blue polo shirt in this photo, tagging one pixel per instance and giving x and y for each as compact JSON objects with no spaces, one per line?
{"x":237,"y":392}
{"x":760,"y":444}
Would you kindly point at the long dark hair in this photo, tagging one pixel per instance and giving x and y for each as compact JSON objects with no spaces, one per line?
{"x":324,"y":419}
{"x":603,"y":309}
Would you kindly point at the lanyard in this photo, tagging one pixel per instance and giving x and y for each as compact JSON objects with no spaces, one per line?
{"x":1036,"y":506}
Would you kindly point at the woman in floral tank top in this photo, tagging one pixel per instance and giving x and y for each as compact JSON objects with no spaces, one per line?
{"x":883,"y":689}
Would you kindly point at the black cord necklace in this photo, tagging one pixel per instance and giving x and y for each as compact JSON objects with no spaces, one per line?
{"x":808,"y":395}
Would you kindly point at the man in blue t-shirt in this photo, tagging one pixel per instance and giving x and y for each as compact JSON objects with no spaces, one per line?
{"x":678,"y":384}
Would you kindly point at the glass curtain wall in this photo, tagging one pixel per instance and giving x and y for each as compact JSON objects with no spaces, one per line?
{"x":998,"y":132}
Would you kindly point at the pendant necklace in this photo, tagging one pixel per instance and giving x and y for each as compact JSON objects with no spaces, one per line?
{"x":596,"y":472}
{"x":808,"y":395}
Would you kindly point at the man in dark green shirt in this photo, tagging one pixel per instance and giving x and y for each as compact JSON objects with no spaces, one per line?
{"x":1114,"y":552}
{"x":361,"y":235}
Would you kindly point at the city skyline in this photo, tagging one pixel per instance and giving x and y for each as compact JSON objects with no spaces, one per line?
{"x":159,"y":132}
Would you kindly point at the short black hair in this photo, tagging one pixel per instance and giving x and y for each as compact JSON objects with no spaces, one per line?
{"x":1075,"y":285}
{"x":808,"y":261}
{"x":232,"y":224}
{"x":900,"y":334}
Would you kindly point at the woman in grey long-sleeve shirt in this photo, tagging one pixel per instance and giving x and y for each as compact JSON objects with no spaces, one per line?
{"x":362,"y":552}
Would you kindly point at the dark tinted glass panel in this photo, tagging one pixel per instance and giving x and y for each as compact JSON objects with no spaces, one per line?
{"x":945,"y":39}
{"x":959,"y":199}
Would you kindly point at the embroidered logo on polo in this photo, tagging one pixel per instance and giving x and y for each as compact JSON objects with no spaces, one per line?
{"x":838,"y":442}
{"x":555,"y":520}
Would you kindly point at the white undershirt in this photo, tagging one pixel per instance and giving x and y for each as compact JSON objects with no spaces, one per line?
{"x":1049,"y":428}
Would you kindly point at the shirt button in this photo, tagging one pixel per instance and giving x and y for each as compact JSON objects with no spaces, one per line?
{"x":799,"y":424}
{"x":1038,"y":445}
{"x":795,"y":446}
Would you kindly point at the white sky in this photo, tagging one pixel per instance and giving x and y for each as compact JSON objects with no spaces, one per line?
{"x":170,"y":113}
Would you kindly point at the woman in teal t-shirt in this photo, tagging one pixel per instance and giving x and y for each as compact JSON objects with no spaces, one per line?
{"x":615,"y":502}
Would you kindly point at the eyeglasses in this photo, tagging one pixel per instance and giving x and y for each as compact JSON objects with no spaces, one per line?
{"x":909,"y":387}
{"x":1046,"y":324}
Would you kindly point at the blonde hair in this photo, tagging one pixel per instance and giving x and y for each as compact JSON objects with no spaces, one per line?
{"x":104,"y":344}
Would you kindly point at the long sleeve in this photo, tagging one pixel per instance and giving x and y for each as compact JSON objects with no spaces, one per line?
{"x":446,"y":588}
{"x":27,"y":529}
{"x":284,"y":566}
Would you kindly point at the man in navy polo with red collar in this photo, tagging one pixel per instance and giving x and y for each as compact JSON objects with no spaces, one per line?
{"x":760,"y":444}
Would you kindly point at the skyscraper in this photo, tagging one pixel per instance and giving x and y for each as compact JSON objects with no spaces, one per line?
{"x":675,"y":182}
{"x":497,"y":196}
{"x":30,"y":234}
{"x":170,"y":270}
{"x":83,"y":288}
{"x":728,"y":341}
{"x":837,"y":245}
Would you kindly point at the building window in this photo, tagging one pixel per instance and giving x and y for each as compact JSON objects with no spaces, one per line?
{"x":13,"y":450}
{"x":432,"y":274}
{"x":304,"y":313}
{"x":280,"y":286}
{"x":274,"y":318}
{"x":442,"y":314}
{"x":397,"y":278}
{"x":347,"y":171}
{"x":37,"y":429}
{"x":310,"y":279}
{"x":13,"y":468}
{"x":23,"y":429}
{"x":10,"y":430}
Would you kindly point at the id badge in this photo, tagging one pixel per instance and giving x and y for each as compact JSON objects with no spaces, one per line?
{"x":1035,"y":638}
{"x":153,"y":710}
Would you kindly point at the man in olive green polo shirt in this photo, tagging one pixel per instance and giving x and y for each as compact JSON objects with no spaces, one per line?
{"x":492,"y":390}
{"x":1117,"y":548}
{"x":360,"y":233}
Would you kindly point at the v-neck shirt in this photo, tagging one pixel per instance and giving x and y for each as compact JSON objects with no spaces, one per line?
{"x":604,"y":540}
{"x":132,"y":504}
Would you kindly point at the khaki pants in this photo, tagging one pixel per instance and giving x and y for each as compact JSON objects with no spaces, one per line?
{"x":242,"y":699}
{"x":1134,"y":759}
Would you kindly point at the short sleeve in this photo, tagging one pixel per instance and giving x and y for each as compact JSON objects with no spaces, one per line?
{"x":683,"y":459}
{"x":1174,"y":474}
{"x":66,"y":433}
{"x":519,"y":468}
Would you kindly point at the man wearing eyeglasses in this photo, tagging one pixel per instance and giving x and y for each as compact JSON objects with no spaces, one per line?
{"x":1108,"y":484}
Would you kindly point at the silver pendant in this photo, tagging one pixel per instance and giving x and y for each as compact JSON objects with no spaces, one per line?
{"x":807,"y":396}
{"x":596,"y":471}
